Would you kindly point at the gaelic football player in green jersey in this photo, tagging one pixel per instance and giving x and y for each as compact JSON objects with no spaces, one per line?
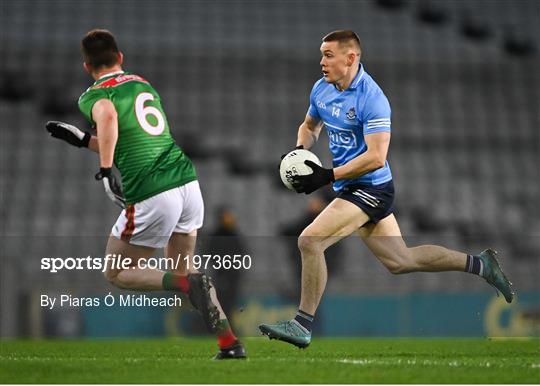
{"x":163,"y":206}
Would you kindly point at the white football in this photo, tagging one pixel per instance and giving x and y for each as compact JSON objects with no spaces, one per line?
{"x":293,"y":165}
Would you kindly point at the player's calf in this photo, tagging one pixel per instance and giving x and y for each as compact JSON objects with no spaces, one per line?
{"x":398,"y":263}
{"x":400,"y":267}
{"x":199,"y":296}
{"x":203,"y":297}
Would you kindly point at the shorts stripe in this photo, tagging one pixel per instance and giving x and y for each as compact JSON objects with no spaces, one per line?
{"x":375,"y":200}
{"x":372,"y":201}
{"x":130,"y":224}
{"x":369,"y":195}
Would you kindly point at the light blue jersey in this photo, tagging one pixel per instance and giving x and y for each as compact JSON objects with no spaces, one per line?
{"x":348,"y":117}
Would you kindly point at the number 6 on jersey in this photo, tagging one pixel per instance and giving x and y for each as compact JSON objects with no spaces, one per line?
{"x":143,"y":112}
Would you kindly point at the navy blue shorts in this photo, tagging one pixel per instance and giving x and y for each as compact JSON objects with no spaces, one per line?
{"x":375,"y":200}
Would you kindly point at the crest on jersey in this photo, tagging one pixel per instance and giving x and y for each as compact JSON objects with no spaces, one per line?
{"x":351,"y":114}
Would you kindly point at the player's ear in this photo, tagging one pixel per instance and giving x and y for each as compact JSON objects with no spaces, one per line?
{"x":87,"y":68}
{"x":351,"y":56}
{"x":120,"y":58}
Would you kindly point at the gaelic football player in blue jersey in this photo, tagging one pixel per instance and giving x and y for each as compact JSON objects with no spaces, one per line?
{"x":354,"y":111}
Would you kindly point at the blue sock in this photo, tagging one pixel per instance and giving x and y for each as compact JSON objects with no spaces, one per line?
{"x":305,"y":319}
{"x":474,"y":265}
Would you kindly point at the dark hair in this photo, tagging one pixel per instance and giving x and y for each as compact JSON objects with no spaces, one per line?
{"x":344,"y":36}
{"x":99,"y":48}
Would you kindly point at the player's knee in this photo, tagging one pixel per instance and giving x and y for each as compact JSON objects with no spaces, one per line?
{"x":308,"y":243}
{"x":110,"y":275}
{"x":113,"y":277}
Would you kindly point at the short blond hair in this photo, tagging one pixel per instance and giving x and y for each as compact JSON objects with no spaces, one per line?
{"x":345,"y":37}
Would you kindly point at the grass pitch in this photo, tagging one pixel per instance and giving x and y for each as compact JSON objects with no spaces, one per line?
{"x":325,"y":361}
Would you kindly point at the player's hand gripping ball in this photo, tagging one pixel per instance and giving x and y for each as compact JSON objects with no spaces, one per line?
{"x":293,"y":165}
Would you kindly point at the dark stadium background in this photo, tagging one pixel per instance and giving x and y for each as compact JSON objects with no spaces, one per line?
{"x":234,"y":77}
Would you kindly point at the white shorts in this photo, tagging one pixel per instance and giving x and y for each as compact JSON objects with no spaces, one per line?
{"x":151,"y":222}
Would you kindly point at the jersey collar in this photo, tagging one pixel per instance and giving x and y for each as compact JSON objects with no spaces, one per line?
{"x":357,"y":78}
{"x":110,"y":74}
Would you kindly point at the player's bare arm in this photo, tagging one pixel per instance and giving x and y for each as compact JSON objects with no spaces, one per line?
{"x":373,"y":158}
{"x":93,"y":144}
{"x":308,"y":132}
{"x":104,"y":114}
{"x":106,"y":119}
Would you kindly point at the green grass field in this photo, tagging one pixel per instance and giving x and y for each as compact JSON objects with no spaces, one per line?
{"x":325,"y":361}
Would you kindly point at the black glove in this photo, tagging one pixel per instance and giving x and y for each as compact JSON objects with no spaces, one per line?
{"x":112,"y":187}
{"x":311,"y":182}
{"x":68,"y":133}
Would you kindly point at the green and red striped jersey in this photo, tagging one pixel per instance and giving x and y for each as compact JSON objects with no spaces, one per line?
{"x":146,"y":155}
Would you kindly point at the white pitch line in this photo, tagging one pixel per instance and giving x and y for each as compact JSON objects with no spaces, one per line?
{"x":393,"y":362}
{"x":350,"y":361}
{"x":425,"y":362}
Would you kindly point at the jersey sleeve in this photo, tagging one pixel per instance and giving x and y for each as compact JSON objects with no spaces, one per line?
{"x":312,"y":110}
{"x":376,"y":114}
{"x":88,"y":99}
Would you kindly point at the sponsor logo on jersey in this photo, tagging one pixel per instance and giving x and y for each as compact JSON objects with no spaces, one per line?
{"x":121,"y":79}
{"x":342,"y":138}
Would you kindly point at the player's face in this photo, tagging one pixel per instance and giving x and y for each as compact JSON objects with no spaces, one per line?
{"x":334,"y":62}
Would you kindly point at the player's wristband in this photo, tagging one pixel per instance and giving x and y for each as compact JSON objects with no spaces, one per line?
{"x":103,"y":173}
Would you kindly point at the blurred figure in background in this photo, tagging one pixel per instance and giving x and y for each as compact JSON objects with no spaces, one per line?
{"x":226,"y":240}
